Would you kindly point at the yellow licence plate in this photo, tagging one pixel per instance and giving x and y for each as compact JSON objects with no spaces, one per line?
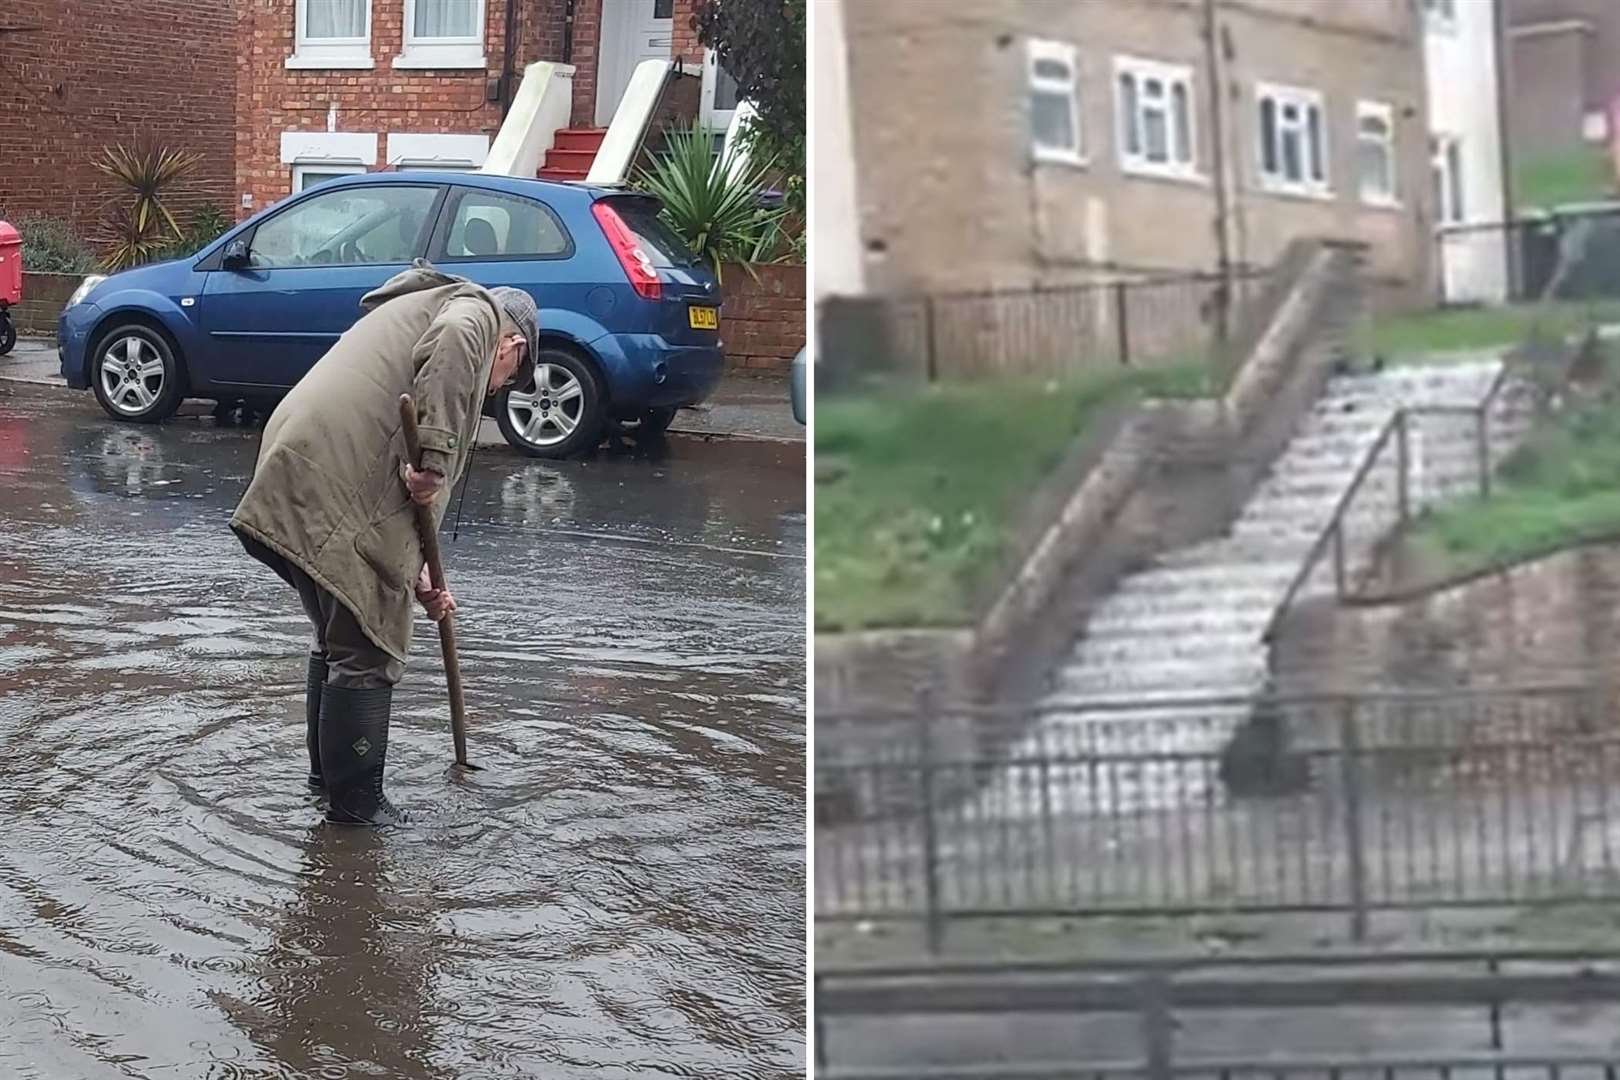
{"x":704,"y":318}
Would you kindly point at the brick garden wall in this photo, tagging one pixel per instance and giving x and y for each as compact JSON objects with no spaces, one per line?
{"x":44,"y":297}
{"x":103,"y":71}
{"x":1552,"y":620}
{"x":763,"y":321}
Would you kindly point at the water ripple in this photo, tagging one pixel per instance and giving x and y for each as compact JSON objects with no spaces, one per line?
{"x":619,"y":894}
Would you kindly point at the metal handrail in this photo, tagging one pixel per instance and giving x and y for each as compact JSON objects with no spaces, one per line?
{"x":1333,"y":531}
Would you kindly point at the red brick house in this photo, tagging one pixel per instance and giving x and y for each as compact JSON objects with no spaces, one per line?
{"x":336,"y":86}
{"x":78,"y":77}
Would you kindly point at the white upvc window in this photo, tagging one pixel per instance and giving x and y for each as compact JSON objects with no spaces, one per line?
{"x":443,"y":34}
{"x":1054,"y":102}
{"x":1157,"y":135}
{"x":331,"y":34}
{"x":1293,"y":140}
{"x":1440,"y":14}
{"x":1375,"y":152}
{"x":307,"y":176}
{"x":1446,"y":164}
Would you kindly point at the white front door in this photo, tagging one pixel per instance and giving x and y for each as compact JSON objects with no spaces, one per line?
{"x":632,"y":31}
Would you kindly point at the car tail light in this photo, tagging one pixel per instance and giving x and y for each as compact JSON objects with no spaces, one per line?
{"x":639,"y":268}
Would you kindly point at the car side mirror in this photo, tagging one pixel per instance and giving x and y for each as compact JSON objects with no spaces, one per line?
{"x":236,"y":255}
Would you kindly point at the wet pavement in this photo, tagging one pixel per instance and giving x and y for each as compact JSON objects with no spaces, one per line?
{"x":619,"y":894}
{"x":748,"y":406}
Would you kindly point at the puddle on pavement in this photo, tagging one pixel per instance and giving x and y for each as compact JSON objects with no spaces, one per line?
{"x":619,"y":893}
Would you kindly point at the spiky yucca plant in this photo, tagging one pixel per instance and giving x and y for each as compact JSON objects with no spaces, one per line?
{"x":712,"y":205}
{"x":125,"y":242}
{"x":139,"y":226}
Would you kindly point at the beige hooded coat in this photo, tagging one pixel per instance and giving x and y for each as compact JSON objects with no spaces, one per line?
{"x":327,"y":493}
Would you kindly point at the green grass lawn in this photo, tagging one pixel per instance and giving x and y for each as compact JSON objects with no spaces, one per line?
{"x":918,"y":491}
{"x":1561,"y":486}
{"x":1583,"y":174}
{"x":1406,"y":338}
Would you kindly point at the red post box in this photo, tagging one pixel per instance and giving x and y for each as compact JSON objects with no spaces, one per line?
{"x":10,"y":282}
{"x":10,"y":265}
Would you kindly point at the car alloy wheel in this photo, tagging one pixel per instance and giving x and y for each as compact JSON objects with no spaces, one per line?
{"x":131,"y":374}
{"x":552,"y":411}
{"x":137,"y":375}
{"x":560,"y":412}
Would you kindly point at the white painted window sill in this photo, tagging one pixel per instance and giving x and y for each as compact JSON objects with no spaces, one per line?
{"x":1381,"y":204}
{"x":1146,"y":171}
{"x":457,"y":59}
{"x":356,"y":61}
{"x":1308,"y":192}
{"x":1047,"y":156}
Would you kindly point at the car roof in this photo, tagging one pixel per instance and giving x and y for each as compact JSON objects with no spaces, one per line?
{"x":515,"y":185}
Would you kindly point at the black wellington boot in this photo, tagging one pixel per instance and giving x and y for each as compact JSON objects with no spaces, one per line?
{"x":354,"y":747}
{"x":314,"y":679}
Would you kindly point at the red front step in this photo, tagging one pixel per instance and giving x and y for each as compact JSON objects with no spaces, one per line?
{"x":580,"y":139}
{"x":571,"y":160}
{"x":572,"y":153}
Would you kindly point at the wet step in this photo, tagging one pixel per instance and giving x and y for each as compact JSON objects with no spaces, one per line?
{"x":1215,"y":624}
{"x":1242,"y":576}
{"x":1466,"y":382}
{"x":1183,"y":676}
{"x":1264,"y":550}
{"x":1123,"y":649}
{"x":1190,"y":602}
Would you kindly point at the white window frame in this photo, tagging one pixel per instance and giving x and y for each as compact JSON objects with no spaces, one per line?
{"x":1314,"y":158}
{"x":1385,"y":113}
{"x":1169,"y":76}
{"x":1445,"y":163}
{"x":1041,"y":49}
{"x":328,"y":53}
{"x":443,"y":52}
{"x":301,"y":169}
{"x":1440,"y":15}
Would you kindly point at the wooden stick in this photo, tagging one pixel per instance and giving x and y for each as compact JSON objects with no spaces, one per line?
{"x":430,"y":551}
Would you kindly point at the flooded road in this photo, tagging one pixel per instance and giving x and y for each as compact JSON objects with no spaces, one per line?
{"x":620,"y":893}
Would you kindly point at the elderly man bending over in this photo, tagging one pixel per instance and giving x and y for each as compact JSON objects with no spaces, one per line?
{"x":329,"y":506}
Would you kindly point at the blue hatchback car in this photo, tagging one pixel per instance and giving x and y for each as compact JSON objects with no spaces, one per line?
{"x":629,"y":318}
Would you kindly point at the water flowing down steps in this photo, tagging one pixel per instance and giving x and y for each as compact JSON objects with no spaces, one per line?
{"x":1192,"y":624}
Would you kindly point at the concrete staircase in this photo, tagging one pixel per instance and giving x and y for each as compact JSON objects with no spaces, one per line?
{"x":1191,"y":624}
{"x":570,"y":157}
